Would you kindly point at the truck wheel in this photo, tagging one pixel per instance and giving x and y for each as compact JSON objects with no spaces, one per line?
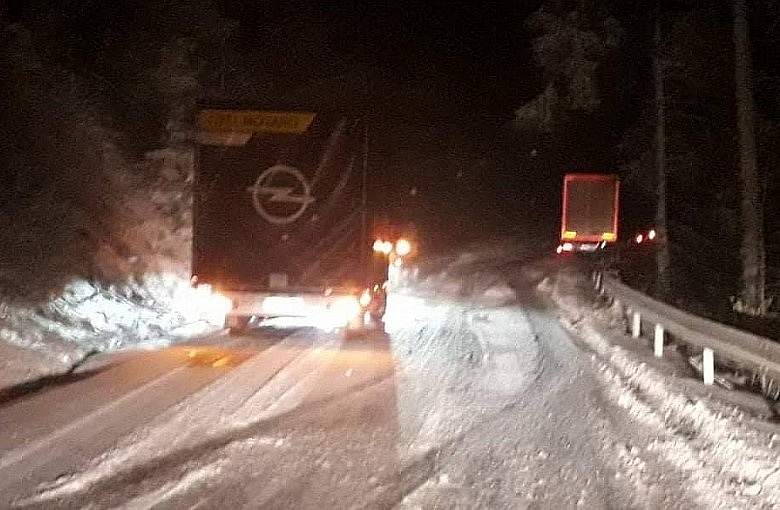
{"x":377,"y":324}
{"x":351,"y":334}
{"x":237,"y":324}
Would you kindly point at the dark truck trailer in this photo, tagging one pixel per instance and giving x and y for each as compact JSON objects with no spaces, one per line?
{"x":279,"y":216}
{"x":589,"y":217}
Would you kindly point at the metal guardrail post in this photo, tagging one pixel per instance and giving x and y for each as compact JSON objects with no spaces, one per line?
{"x":658,"y":341}
{"x":708,"y":366}
{"x":597,"y":278}
{"x":636,"y":324}
{"x":745,"y":350}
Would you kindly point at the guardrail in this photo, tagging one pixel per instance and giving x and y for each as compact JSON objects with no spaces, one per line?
{"x":756,"y":353}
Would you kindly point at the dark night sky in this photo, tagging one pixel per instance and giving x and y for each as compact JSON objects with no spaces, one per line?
{"x":453,"y":61}
{"x":444,"y":77}
{"x":454,"y":58}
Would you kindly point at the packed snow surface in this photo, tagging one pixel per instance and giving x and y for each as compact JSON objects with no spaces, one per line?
{"x":483,"y":393}
{"x":87,"y":317}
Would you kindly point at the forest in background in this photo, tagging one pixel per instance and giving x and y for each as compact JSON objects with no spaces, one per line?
{"x":607,"y":68}
{"x":95,"y":137}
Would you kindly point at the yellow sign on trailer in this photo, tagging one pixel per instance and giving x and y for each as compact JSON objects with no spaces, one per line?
{"x":252,"y":121}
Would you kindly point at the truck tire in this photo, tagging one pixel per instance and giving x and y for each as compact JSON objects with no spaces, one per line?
{"x":352,"y":333}
{"x":237,"y":324}
{"x":353,"y":330}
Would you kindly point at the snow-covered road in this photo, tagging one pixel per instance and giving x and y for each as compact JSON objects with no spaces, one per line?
{"x":476,"y":401}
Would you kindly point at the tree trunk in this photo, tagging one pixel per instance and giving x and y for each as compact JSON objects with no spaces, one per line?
{"x":662,"y":252}
{"x":753,"y":270}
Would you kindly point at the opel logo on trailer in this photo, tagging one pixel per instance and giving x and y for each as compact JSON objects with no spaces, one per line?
{"x":281,"y":194}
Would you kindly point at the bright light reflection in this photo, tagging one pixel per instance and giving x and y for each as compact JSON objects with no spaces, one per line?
{"x":403,"y":310}
{"x":403,"y":247}
{"x":283,"y":305}
{"x":384,"y":247}
{"x":202,"y":303}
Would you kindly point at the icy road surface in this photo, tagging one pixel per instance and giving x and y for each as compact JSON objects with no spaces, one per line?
{"x":466,"y":402}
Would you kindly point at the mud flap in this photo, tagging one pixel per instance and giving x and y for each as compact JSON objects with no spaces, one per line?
{"x":237,"y":324}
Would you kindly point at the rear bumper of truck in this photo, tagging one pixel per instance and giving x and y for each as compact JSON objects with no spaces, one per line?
{"x":331,"y":310}
{"x":299,"y":304}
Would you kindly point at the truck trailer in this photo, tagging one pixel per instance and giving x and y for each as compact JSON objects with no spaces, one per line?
{"x":589,"y":216}
{"x":280,"y":216}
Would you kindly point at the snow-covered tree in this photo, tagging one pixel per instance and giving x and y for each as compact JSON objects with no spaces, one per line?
{"x":573,"y":40}
{"x":753,"y":298}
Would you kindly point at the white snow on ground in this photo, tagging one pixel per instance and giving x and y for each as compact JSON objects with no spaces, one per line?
{"x":222,"y":409}
{"x":18,"y":364}
{"x":456,"y":366}
{"x":732,"y":458}
{"x":87,"y":317}
{"x":459,"y":379}
{"x":477,"y":397}
{"x":191,"y":479}
{"x":150,"y":236}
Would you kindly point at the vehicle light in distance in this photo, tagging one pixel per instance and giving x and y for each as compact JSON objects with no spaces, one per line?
{"x":609,"y":236}
{"x":567,"y":247}
{"x":403,"y":247}
{"x":384,"y":247}
{"x":651,"y":234}
{"x":345,"y":309}
{"x":559,"y":249}
{"x":639,"y":238}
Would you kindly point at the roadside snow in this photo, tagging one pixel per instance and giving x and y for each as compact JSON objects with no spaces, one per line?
{"x":187,"y":482}
{"x":18,"y":364}
{"x":144,"y":229}
{"x":731,"y":457}
{"x":88,"y":317}
{"x":477,"y":397}
{"x":225,"y":408}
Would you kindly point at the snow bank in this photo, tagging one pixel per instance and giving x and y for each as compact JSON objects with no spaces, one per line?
{"x":125,"y":283}
{"x":730,"y":457}
{"x":467,"y":276}
{"x":88,"y":317}
{"x":499,"y":294}
{"x":18,"y":364}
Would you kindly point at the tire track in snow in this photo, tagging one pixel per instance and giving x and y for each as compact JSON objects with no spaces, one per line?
{"x":173,"y":429}
{"x":84,"y":422}
{"x":236,"y":407}
{"x":174,"y":488}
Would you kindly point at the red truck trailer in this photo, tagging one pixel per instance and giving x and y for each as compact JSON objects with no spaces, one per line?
{"x":589,"y":217}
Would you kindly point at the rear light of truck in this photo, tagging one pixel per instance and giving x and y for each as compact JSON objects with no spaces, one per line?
{"x":383,"y":247}
{"x":345,"y":309}
{"x":403,"y":247}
